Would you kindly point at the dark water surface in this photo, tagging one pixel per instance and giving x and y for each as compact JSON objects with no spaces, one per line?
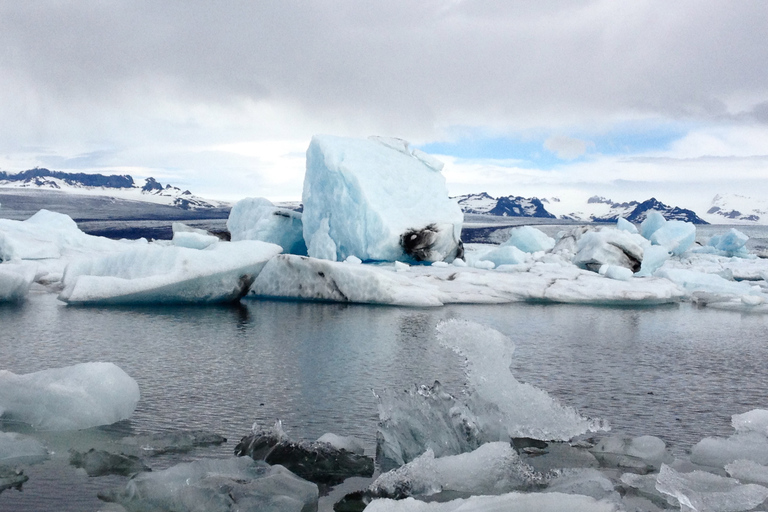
{"x":676,"y":372}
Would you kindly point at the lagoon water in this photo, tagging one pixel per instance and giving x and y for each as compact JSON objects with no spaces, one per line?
{"x":677,"y":372}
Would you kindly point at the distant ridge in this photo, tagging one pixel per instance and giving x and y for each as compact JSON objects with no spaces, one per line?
{"x":508,"y":206}
{"x":122,"y":186}
{"x":636,"y":212}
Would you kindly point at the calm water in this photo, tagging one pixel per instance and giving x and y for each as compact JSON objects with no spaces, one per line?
{"x":676,"y":372}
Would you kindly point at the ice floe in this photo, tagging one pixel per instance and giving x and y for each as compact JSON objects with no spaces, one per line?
{"x":154,"y":273}
{"x":74,"y":397}
{"x":378,"y":200}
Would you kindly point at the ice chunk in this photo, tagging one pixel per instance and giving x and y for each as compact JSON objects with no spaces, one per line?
{"x":100,"y":463}
{"x":750,"y":442}
{"x":493,"y":468}
{"x":376,"y":201}
{"x":157,"y":274}
{"x":702,"y":491}
{"x":609,"y":247}
{"x":732,"y":243}
{"x":15,"y":280}
{"x":74,"y":397}
{"x":586,"y":482}
{"x":749,"y":471}
{"x":19,"y":449}
{"x":653,"y":221}
{"x":512,"y":502}
{"x":218,"y":485}
{"x":675,"y":235}
{"x":11,"y":478}
{"x":193,"y":240}
{"x":259,"y":219}
{"x":505,"y":255}
{"x":624,"y":225}
{"x":180,"y":441}
{"x":521,"y":409}
{"x":318,"y":462}
{"x":529,"y":239}
{"x":639,"y":453}
{"x":348,"y":443}
{"x":615,"y":272}
{"x":693,"y":281}
{"x":755,"y":420}
{"x":654,"y":257}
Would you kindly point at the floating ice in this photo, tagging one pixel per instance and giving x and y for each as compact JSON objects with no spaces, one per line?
{"x":693,"y":281}
{"x":653,"y":221}
{"x":609,"y":247}
{"x":705,"y":492}
{"x":654,"y":257}
{"x":732,"y":243}
{"x":640,"y":453}
{"x":512,"y":502}
{"x":100,"y":463}
{"x":74,"y":397}
{"x":675,"y":235}
{"x":493,"y":468}
{"x":218,"y":486}
{"x":318,"y":462}
{"x":624,"y":225}
{"x":11,"y":478}
{"x":750,"y":442}
{"x":348,"y":443}
{"x":529,"y":239}
{"x":755,"y":420}
{"x":520,"y":409}
{"x":19,"y":449}
{"x":748,"y":471}
{"x":15,"y":280}
{"x":376,"y":200}
{"x":157,"y":274}
{"x":585,"y":482}
{"x":259,"y":219}
{"x":180,"y":441}
{"x":505,"y":255}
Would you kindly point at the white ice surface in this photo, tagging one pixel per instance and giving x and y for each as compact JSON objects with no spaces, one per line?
{"x":192,"y":240}
{"x":74,"y":397}
{"x":512,"y":502}
{"x":167,"y":274}
{"x":348,"y":443}
{"x":259,"y":219}
{"x":371,"y":193}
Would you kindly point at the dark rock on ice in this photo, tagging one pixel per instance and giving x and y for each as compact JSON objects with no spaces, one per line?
{"x":315,"y":461}
{"x":421,"y":244}
{"x":100,"y":463}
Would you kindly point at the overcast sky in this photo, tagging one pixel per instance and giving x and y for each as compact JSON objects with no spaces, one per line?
{"x":547,"y":98}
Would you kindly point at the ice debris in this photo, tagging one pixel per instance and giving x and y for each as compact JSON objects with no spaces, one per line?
{"x":731,"y":243}
{"x":258,"y":219}
{"x":367,"y":198}
{"x":74,"y":397}
{"x":511,"y":502}
{"x":749,"y":442}
{"x":226,"y":485}
{"x":178,"y":441}
{"x":20,"y":449}
{"x":11,"y":478}
{"x":15,"y":280}
{"x":156,"y":274}
{"x":101,"y":462}
{"x":318,"y":462}
{"x":529,"y":239}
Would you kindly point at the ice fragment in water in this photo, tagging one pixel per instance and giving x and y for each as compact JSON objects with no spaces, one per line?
{"x":748,"y":471}
{"x":228,"y":485}
{"x":258,"y":219}
{"x":378,"y":201}
{"x":643,"y":453}
{"x":19,"y":449}
{"x":505,"y":255}
{"x":348,"y":443}
{"x":529,"y":239}
{"x":100,"y":463}
{"x":71,"y":398}
{"x":705,"y":492}
{"x":749,"y":442}
{"x":15,"y":280}
{"x":732,"y":243}
{"x":511,"y":502}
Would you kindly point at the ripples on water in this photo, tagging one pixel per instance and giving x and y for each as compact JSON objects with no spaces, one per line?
{"x":676,"y":372}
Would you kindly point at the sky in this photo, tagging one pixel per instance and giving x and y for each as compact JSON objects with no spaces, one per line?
{"x":551,"y":98}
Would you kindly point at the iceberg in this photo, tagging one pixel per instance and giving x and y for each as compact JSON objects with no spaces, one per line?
{"x":71,"y":398}
{"x":675,"y":235}
{"x":493,"y":468}
{"x":730,"y":244}
{"x":378,"y":200}
{"x":258,"y":219}
{"x":529,"y":239}
{"x":157,"y":274}
{"x":224,"y":485}
{"x":624,"y":225}
{"x":505,"y":255}
{"x":318,"y":462}
{"x":609,"y":247}
{"x":653,"y":221}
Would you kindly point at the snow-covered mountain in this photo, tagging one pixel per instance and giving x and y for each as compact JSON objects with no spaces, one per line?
{"x":118,"y":186}
{"x":600,"y":209}
{"x":508,"y":206}
{"x":737,"y":209}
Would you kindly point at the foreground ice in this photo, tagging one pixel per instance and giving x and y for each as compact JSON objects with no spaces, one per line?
{"x":19,"y":449}
{"x":512,"y":502}
{"x":74,"y":397}
{"x":227,"y":485}
{"x":378,"y":200}
{"x":15,"y":280}
{"x":160,"y":274}
{"x":749,"y":442}
{"x":497,"y":407}
{"x":259,"y":219}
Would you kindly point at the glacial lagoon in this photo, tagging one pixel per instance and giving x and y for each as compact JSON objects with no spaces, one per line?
{"x":677,"y":372}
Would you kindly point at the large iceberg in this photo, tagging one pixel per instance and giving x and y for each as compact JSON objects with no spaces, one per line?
{"x":258,"y":219}
{"x":159,"y":274}
{"x":378,"y":200}
{"x":74,"y":397}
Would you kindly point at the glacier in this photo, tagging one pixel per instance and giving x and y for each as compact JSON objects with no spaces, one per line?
{"x":378,"y":200}
{"x":75,"y":397}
